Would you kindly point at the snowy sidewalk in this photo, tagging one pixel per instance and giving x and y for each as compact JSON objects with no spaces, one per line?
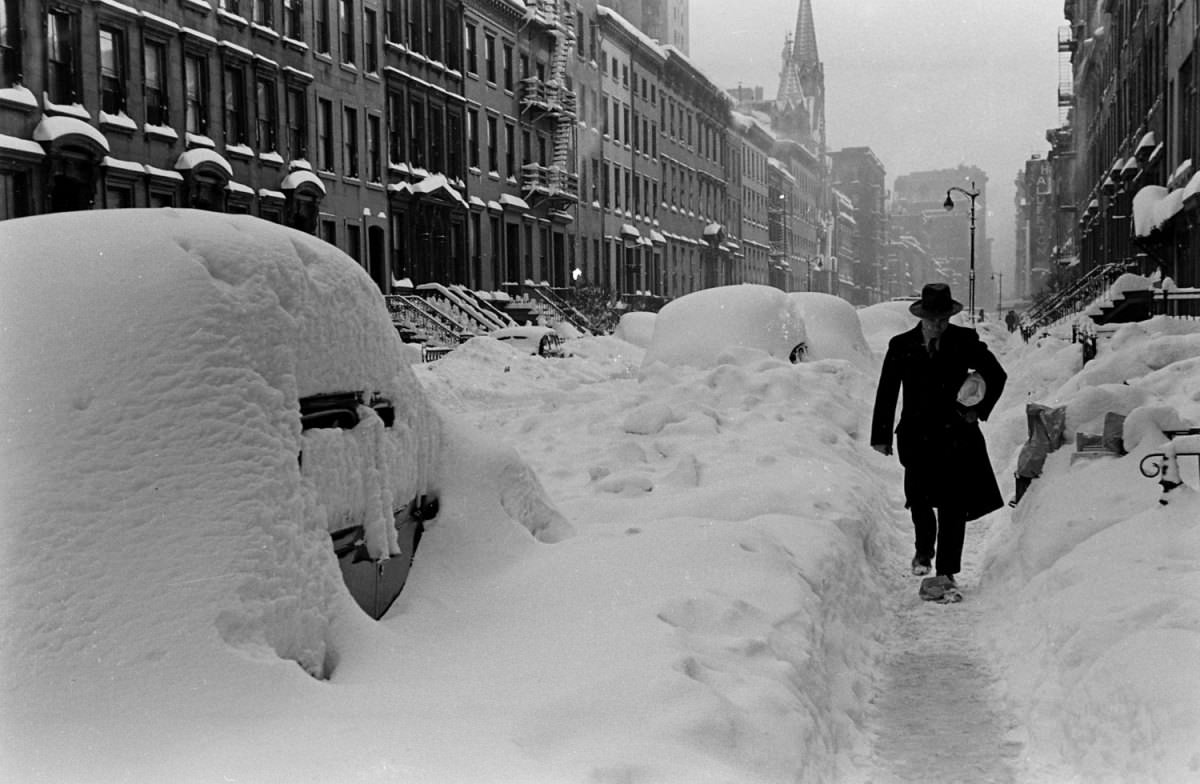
{"x":935,"y":717}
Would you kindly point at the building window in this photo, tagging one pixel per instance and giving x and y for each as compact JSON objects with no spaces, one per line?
{"x":329,"y":231}
{"x":393,"y":20}
{"x":473,"y":138}
{"x":415,"y":28}
{"x":62,"y":52}
{"x":154,"y":85}
{"x":293,"y":19}
{"x":416,"y":133}
{"x":264,"y":12}
{"x":350,"y":141}
{"x":235,"y":105}
{"x":493,"y":157}
{"x":112,"y":70}
{"x":10,"y":47}
{"x":353,"y":241}
{"x":395,"y":128}
{"x":370,"y":41}
{"x":508,"y":67}
{"x":118,"y":195}
{"x":433,"y":30}
{"x":266,"y":114}
{"x":321,"y":26}
{"x":453,"y":144}
{"x":437,"y":139}
{"x":472,"y":57}
{"x":346,"y":26}
{"x":510,"y":150}
{"x":374,"y":167}
{"x":489,"y":57}
{"x":195,"y":87}
{"x":15,"y":199}
{"x":452,"y":22}
{"x":297,"y":120}
{"x":324,"y":135}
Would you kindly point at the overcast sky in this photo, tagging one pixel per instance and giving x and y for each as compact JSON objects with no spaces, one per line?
{"x":926,"y":84}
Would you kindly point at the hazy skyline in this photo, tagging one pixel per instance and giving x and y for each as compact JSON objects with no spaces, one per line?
{"x":926,"y":85}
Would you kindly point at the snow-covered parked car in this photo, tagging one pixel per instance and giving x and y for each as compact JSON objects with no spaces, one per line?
{"x":543,"y":341}
{"x":698,"y":329}
{"x":213,"y":389}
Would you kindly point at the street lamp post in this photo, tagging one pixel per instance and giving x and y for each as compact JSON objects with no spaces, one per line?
{"x":999,"y":278}
{"x":949,"y":205}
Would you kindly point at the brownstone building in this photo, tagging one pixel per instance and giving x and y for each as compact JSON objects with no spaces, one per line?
{"x":1134,"y":128}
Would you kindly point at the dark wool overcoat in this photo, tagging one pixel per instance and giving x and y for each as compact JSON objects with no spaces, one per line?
{"x":944,"y":456}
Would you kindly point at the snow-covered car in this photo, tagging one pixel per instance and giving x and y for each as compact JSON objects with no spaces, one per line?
{"x":223,"y":392}
{"x":543,"y":341}
{"x":698,"y":329}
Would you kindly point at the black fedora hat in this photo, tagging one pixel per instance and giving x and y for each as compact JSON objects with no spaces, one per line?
{"x":935,"y":302}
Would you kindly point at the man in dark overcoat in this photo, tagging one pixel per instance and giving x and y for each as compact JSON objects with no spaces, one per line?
{"x":946,"y":465}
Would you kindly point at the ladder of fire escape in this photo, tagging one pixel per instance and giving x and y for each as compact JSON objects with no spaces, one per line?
{"x":562,"y":30}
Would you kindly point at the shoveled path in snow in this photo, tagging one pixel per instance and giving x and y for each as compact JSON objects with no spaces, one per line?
{"x":935,"y":717}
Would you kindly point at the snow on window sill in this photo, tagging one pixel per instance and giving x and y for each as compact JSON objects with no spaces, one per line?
{"x":119,"y":122}
{"x":160,"y":131}
{"x":239,"y":151}
{"x":271,"y":157}
{"x":299,"y":163}
{"x":18,"y":97}
{"x":200,"y":140}
{"x":71,"y":110}
{"x":264,"y":31}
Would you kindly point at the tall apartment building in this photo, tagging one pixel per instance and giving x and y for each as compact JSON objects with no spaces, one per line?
{"x":948,"y":231}
{"x":1134,"y":130}
{"x":665,"y":21}
{"x":858,"y":173}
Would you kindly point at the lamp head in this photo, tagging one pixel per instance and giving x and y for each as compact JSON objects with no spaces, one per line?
{"x":948,"y":203}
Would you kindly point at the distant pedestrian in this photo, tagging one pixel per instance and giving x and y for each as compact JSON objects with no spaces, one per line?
{"x":945,"y":458}
{"x":1010,"y":320}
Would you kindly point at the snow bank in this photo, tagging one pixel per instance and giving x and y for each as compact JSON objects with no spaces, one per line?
{"x":1094,"y":585}
{"x":701,"y":328}
{"x":714,"y":616}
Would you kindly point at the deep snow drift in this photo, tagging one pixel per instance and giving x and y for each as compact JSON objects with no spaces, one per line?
{"x":642,"y":570}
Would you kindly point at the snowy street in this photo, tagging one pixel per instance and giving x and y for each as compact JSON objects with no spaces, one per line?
{"x":670,"y":556}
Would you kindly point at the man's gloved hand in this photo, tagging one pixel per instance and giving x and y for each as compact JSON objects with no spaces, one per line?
{"x":883,"y":449}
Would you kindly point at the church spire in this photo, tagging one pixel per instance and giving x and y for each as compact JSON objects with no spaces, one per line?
{"x":800,"y":103}
{"x":804,"y":44}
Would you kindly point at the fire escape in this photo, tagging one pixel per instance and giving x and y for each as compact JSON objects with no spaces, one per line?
{"x":552,"y":100}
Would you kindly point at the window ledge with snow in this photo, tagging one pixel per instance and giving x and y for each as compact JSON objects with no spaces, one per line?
{"x":18,"y":97}
{"x":161,"y":132}
{"x":117,"y":122}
